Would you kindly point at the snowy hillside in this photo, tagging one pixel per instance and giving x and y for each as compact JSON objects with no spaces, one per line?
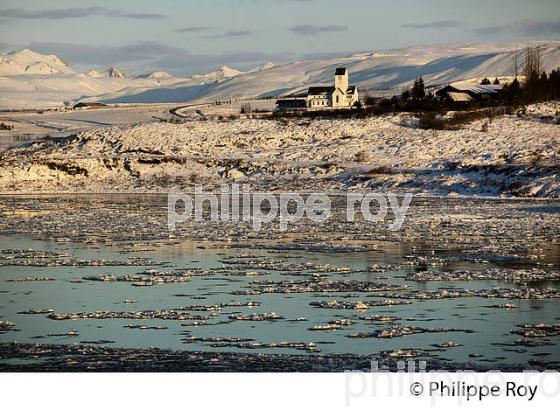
{"x":40,"y":91}
{"x":378,"y":70}
{"x":27,"y":62}
{"x":29,"y":79}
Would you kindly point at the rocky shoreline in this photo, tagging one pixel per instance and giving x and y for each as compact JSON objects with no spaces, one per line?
{"x":97,"y":358}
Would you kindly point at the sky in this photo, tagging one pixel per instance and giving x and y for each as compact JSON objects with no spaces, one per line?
{"x":186,"y":37}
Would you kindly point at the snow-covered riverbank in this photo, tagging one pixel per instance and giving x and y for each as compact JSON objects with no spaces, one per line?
{"x":514,"y":155}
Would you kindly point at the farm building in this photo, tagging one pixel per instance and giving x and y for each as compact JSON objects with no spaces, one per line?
{"x":464,"y":92}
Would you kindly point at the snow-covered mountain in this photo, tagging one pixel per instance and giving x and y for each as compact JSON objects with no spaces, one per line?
{"x":32,"y":79}
{"x":27,"y":62}
{"x":222,"y":72}
{"x":114,"y":72}
{"x":380,"y":70}
{"x":159,"y":75}
{"x":111,"y":72}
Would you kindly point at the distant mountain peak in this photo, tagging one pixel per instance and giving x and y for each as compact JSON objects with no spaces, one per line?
{"x":29,"y":62}
{"x":225,"y":71}
{"x":26,"y":52}
{"x":222,"y":72}
{"x":111,"y":72}
{"x":114,"y":72}
{"x":159,"y":75}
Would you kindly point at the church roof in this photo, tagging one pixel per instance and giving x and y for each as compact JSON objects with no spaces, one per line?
{"x":329,"y":90}
{"x":320,"y":90}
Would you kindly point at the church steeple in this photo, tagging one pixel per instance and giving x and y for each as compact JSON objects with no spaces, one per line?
{"x":341,"y":79}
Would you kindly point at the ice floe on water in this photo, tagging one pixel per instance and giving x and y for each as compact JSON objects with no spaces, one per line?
{"x":310,"y":298}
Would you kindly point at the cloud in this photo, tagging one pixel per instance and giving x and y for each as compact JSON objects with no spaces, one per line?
{"x":151,"y":55}
{"x":104,"y":54}
{"x":78,"y":12}
{"x":311,"y":29}
{"x":439,"y":24}
{"x":320,"y":55}
{"x":526,"y":27}
{"x":229,"y":34}
{"x":194,"y":29}
{"x":141,"y":16}
{"x":225,"y":34}
{"x":207,"y":62}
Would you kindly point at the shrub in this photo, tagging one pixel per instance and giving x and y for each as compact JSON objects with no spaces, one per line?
{"x":381,"y":170}
{"x":361,"y":156}
{"x":429,"y":121}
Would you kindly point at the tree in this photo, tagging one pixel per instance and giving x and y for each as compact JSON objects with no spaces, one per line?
{"x":512,"y":93}
{"x":485,"y":81}
{"x":531,"y":89}
{"x":418,"y":89}
{"x":544,"y":89}
{"x":554,"y":83}
{"x":496,"y":81}
{"x":405,"y":96}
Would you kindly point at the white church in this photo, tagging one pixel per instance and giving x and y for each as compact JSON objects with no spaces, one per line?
{"x":340,"y":96}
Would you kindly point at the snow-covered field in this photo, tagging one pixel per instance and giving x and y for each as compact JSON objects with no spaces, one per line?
{"x":518,"y":155}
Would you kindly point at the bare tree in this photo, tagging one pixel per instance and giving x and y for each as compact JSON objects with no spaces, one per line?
{"x":516,"y":62}
{"x":538,"y":58}
{"x":532,"y":62}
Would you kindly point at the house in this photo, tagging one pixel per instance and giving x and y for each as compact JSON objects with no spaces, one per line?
{"x":341,"y":96}
{"x":463,"y":92}
{"x":291,"y":103}
{"x":88,"y":105}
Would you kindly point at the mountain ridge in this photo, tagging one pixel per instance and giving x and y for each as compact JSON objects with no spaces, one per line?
{"x":33,"y":79}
